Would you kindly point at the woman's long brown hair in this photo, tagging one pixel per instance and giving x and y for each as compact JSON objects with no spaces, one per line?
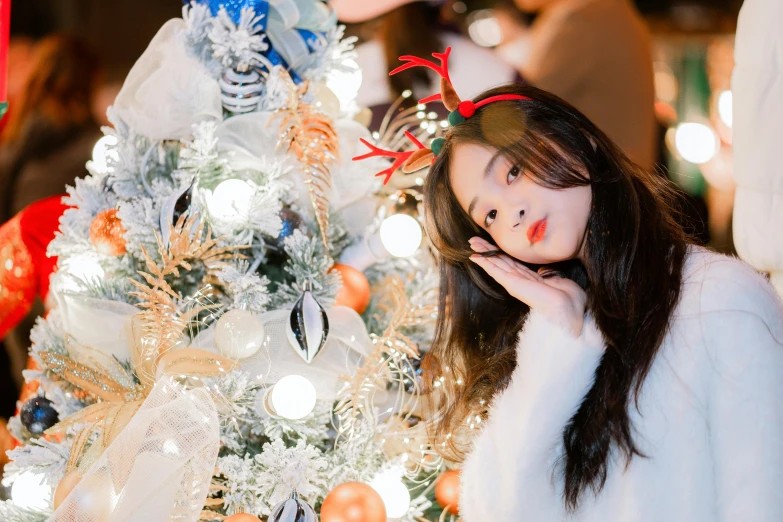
{"x":634,"y":256}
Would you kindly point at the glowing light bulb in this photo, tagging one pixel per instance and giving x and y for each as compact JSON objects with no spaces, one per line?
{"x":79,"y":267}
{"x":401,"y":235}
{"x":696,"y":142}
{"x":724,"y":108}
{"x":293,"y":397}
{"x":103,"y":150}
{"x":345,"y":82}
{"x":230,"y":201}
{"x":484,"y":29}
{"x":28,"y":491}
{"x":395,"y":495}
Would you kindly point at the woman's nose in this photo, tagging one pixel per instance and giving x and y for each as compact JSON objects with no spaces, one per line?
{"x":516,"y":218}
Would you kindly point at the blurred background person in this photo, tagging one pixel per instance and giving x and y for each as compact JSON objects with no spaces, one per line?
{"x":51,"y":131}
{"x":21,"y":58}
{"x":392,"y":28}
{"x":596,"y":55}
{"x":757,"y":86}
{"x":48,"y":137}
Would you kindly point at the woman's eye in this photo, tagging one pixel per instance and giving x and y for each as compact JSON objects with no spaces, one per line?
{"x":513,"y":174}
{"x":491,"y":215}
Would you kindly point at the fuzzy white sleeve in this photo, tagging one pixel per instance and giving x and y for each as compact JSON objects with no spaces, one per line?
{"x":745,"y":414}
{"x":509,"y":476}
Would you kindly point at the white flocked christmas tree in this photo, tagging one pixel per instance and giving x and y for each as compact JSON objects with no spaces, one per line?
{"x":228,"y":327}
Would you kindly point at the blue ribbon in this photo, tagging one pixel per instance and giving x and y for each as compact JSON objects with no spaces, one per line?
{"x":294,"y":28}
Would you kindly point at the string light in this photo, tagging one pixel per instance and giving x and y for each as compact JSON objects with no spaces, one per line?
{"x":230,"y":201}
{"x":484,"y":28}
{"x":103,"y":150}
{"x":725,"y":108}
{"x":696,"y":142}
{"x":401,"y":235}
{"x":293,"y":397}
{"x":29,"y":492}
{"x":344,"y":82}
{"x":395,"y":495}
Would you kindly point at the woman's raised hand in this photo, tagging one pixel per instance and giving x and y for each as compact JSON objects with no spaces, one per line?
{"x":559,"y":299}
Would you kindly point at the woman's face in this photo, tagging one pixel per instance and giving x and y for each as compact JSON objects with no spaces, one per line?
{"x":529,"y":222}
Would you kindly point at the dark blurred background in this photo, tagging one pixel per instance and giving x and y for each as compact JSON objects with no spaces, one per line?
{"x":121,"y":29}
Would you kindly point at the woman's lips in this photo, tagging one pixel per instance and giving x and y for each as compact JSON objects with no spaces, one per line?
{"x":536,"y":231}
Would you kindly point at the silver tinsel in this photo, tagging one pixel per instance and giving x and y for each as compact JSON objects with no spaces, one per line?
{"x":241,"y":91}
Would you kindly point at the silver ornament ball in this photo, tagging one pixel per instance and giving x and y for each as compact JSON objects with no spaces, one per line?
{"x":239,"y":334}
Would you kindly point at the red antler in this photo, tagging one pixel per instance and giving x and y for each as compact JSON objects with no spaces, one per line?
{"x":442,"y":70}
{"x":414,"y":61}
{"x":399,"y":157}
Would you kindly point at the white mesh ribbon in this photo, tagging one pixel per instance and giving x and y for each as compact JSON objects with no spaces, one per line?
{"x":168,"y":90}
{"x":99,"y":323}
{"x":158,"y":468}
{"x":346,"y":345}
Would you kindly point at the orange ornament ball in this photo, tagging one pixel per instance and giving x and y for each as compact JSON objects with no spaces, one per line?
{"x":64,"y":488}
{"x":355,"y":292}
{"x":447,"y":491}
{"x":353,"y":502}
{"x":107,"y":234}
{"x":242,"y":517}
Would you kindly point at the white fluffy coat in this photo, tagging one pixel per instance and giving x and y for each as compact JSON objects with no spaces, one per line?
{"x":710,"y":415}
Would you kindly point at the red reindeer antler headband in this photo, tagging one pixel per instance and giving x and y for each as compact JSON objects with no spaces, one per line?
{"x":459,"y":112}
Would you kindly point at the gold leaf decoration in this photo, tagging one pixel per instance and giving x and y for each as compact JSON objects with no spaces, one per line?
{"x":160,"y":326}
{"x":355,"y":399}
{"x":156,"y":330}
{"x":311,"y":137}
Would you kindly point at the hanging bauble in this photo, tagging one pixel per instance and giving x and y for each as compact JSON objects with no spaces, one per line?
{"x":64,"y":488}
{"x":353,"y":502}
{"x":242,"y":517}
{"x":177,"y":204}
{"x":38,"y":415}
{"x":291,"y":221}
{"x":240,"y":91}
{"x":308,"y":326}
{"x":239,"y":334}
{"x":447,"y":491}
{"x":293,"y":510}
{"x":107,"y":234}
{"x":355,"y":291}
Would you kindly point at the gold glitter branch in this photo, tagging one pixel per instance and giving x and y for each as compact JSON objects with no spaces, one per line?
{"x":355,"y":399}
{"x":161,"y":323}
{"x":311,"y":136}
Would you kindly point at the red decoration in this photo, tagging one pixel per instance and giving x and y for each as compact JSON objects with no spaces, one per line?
{"x":242,"y":517}
{"x":353,"y":502}
{"x":107,"y":234}
{"x":415,"y":61}
{"x":399,"y":157}
{"x":355,"y":292}
{"x":467,"y":108}
{"x":24,"y":267}
{"x":447,"y":491}
{"x":5,"y":26}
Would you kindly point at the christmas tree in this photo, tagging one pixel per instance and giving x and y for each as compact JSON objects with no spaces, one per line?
{"x":240,"y":307}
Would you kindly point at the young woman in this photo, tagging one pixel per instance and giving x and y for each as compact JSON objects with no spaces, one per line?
{"x":612,"y":371}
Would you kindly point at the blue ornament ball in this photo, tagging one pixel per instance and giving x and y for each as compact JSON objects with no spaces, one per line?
{"x":38,"y":415}
{"x":291,"y":221}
